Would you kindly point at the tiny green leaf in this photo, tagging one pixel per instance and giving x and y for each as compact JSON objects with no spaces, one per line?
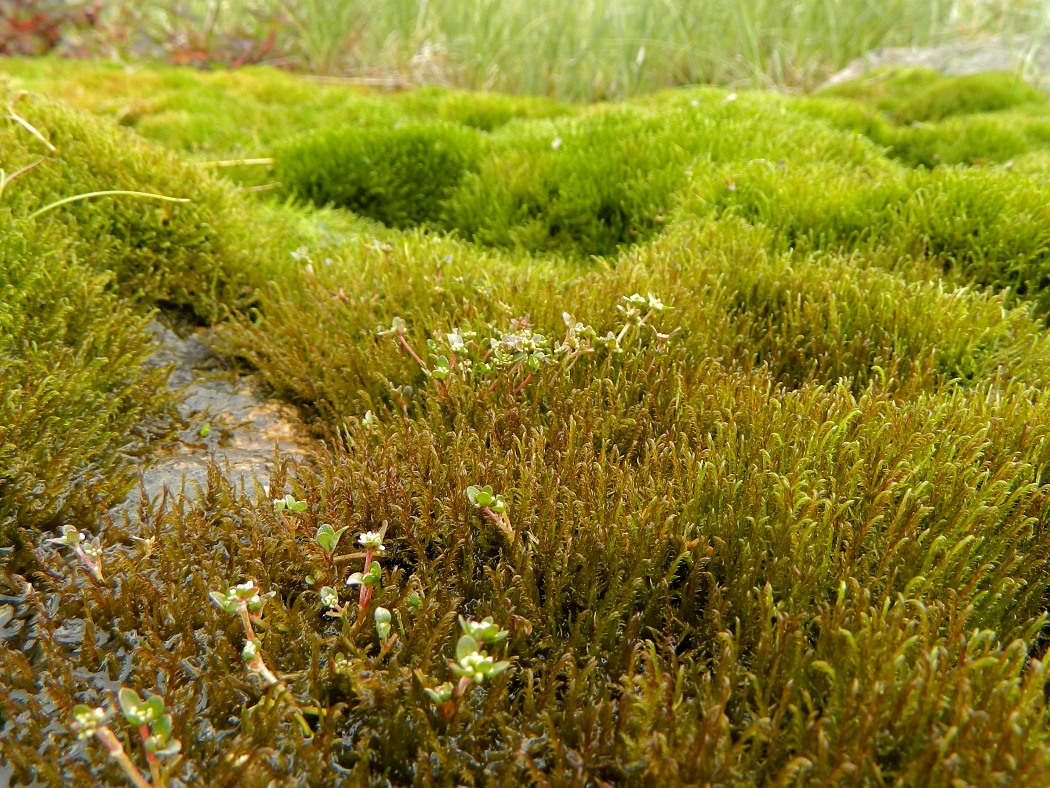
{"x":382,"y":618}
{"x":328,"y":537}
{"x":464,"y":646}
{"x":225,"y":601}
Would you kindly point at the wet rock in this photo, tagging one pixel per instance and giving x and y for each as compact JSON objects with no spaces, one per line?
{"x":222,"y":416}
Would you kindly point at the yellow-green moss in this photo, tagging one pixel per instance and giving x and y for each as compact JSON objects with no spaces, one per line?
{"x":797,"y":523}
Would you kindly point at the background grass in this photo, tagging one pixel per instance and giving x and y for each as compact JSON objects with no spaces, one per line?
{"x":586,"y":50}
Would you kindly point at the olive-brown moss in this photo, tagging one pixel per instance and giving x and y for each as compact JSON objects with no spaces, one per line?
{"x":696,"y":549}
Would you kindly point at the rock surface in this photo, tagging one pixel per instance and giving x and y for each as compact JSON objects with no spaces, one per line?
{"x":223,"y":417}
{"x":1028,"y":56}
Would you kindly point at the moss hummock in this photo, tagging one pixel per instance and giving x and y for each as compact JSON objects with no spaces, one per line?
{"x":729,"y":413}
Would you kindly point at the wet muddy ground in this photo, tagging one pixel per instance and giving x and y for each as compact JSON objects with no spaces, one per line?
{"x":222,"y":416}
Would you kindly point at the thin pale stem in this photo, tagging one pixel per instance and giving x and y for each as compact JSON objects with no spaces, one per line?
{"x":29,"y":127}
{"x":246,"y":620}
{"x":106,"y":193}
{"x":411,"y":352}
{"x":258,"y":666}
{"x":116,"y":751}
{"x":238,"y":162}
{"x":6,"y":179}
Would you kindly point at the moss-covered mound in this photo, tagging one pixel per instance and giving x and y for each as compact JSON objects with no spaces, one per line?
{"x":399,"y":176}
{"x":74,"y":385}
{"x":696,"y":440}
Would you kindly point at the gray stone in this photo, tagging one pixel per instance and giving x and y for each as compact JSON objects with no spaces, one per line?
{"x":1027,"y":56}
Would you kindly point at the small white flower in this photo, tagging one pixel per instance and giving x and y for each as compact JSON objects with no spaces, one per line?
{"x":329,"y":597}
{"x":86,"y":721}
{"x":372,"y":540}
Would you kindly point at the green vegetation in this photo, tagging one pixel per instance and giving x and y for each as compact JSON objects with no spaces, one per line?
{"x":700,"y":438}
{"x":73,"y":383}
{"x":400,"y":176}
{"x":584,"y":50}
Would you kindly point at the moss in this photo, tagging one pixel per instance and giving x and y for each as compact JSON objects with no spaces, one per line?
{"x":923,"y":96}
{"x":74,"y":382}
{"x":482,"y":111}
{"x":399,"y":176}
{"x":984,"y":226}
{"x":205,"y":255}
{"x":796,"y":523}
{"x":191,"y":110}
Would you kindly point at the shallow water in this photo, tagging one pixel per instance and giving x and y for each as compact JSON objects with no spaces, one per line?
{"x":221,"y":416}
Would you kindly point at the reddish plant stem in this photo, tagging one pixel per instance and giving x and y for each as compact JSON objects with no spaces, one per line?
{"x":90,"y":563}
{"x":502,"y":522}
{"x":151,"y":759}
{"x":461,"y":688}
{"x":411,"y":352}
{"x":366,"y":591}
{"x":145,"y":734}
{"x":524,"y":383}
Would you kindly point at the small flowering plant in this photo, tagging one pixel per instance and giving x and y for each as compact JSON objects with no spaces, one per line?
{"x":486,"y":631}
{"x":383,"y":622}
{"x":637,"y":310}
{"x":442,"y":693}
{"x":153,"y":725}
{"x":89,"y":552}
{"x":519,"y":353}
{"x":492,"y":506}
{"x":288,"y":504}
{"x":330,"y":599}
{"x":148,"y":718}
{"x":245,"y":600}
{"x":87,"y":720}
{"x":328,"y":537}
{"x":372,"y":576}
{"x":243,"y":596}
{"x":485,"y":498}
{"x":371,"y":540}
{"x":473,"y":664}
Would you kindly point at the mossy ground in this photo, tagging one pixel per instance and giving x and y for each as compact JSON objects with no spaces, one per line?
{"x":793,"y":530}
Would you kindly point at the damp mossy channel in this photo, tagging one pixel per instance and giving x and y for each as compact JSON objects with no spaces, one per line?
{"x":697,"y":439}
